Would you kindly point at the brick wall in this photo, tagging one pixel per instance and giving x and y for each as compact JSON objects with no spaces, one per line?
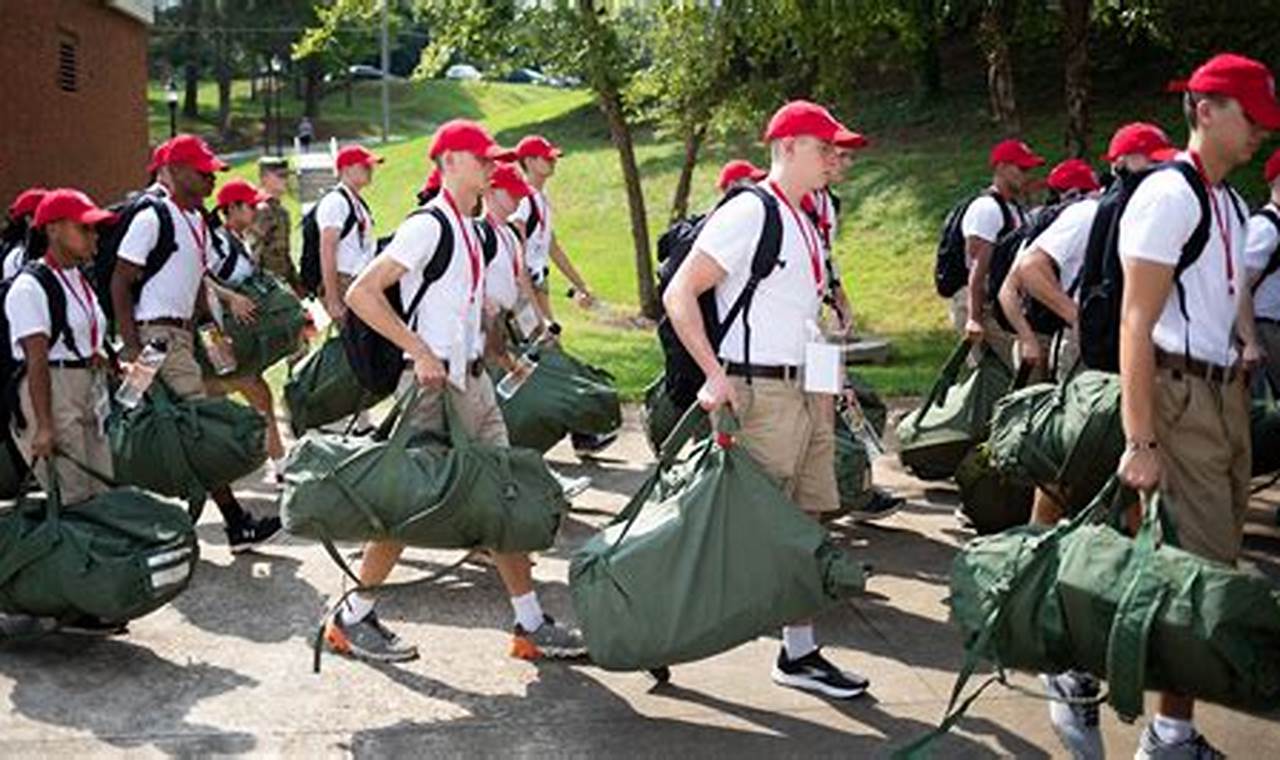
{"x":95,"y":137}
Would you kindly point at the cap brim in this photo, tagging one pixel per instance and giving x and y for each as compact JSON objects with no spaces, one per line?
{"x":1265,"y":114}
{"x":849,"y":140}
{"x":758,"y":175}
{"x":97,"y":216}
{"x":1163,"y":154}
{"x":1030,"y":162}
{"x":210,"y":166}
{"x":499,"y":153}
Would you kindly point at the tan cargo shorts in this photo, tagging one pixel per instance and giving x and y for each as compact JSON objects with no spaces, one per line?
{"x":475,"y":408}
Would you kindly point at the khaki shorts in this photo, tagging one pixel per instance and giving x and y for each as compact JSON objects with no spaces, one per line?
{"x":476,"y":409}
{"x":180,"y":371}
{"x":1269,"y":337}
{"x":1204,"y":444}
{"x":1039,"y":373}
{"x":1066,"y":355}
{"x":791,"y":435}
{"x":76,"y":428}
{"x":958,"y":307}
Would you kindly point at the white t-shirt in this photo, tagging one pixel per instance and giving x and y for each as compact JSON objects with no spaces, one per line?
{"x":13,"y":261}
{"x":1066,"y":240}
{"x":500,"y":282}
{"x":171,"y":292}
{"x":450,"y":312}
{"x":785,"y":301}
{"x":983,"y":220}
{"x":537,"y":245}
{"x":1263,"y":239}
{"x":1160,"y":218}
{"x":218,"y":255}
{"x":27,"y":309}
{"x":357,"y":248}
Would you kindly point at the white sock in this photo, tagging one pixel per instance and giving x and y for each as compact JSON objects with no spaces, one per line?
{"x":798,"y":641}
{"x":356,"y":608}
{"x":528,"y":612}
{"x":1172,"y":730}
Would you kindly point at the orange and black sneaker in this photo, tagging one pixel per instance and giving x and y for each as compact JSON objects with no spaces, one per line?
{"x":367,"y":640}
{"x":550,"y":640}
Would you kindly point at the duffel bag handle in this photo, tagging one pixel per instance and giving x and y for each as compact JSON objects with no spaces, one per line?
{"x":947,"y":377}
{"x":408,"y":401}
{"x":686,"y":426}
{"x":42,"y":540}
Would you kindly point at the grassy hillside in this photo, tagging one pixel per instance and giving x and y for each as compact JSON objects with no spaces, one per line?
{"x":923,"y":159}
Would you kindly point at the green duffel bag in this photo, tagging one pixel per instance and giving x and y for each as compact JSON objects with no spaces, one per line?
{"x":563,"y":395}
{"x":1264,"y":426}
{"x":1138,"y":612}
{"x":274,"y":334}
{"x":116,"y":557}
{"x":992,"y":500}
{"x":1067,"y":439}
{"x":423,"y":490}
{"x":701,"y":563}
{"x":853,"y":467}
{"x":13,"y":468}
{"x":954,"y":417}
{"x":323,"y":388}
{"x":185,"y":447}
{"x":661,"y":415}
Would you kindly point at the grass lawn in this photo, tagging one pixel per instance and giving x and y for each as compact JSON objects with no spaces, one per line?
{"x":923,"y":159}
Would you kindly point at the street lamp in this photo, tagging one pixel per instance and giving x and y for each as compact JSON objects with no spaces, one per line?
{"x":171,"y":97}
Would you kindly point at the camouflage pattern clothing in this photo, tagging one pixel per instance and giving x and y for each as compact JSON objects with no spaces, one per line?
{"x":270,"y":238}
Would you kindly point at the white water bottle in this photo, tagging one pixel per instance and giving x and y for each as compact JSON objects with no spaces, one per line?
{"x":140,"y":376}
{"x":511,"y":383}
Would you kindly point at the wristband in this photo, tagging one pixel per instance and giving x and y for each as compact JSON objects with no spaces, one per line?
{"x":554,"y":328}
{"x":1131,"y":445}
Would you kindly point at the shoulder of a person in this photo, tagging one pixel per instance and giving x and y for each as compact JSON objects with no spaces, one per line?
{"x":1168,"y":185}
{"x":984,"y":202}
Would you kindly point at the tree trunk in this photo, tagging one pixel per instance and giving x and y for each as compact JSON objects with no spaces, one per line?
{"x":311,"y":89}
{"x":191,"y":69}
{"x":997,"y":19}
{"x":253,"y":87}
{"x":223,"y":69}
{"x":928,"y":56}
{"x":1075,"y":43}
{"x":692,"y":145}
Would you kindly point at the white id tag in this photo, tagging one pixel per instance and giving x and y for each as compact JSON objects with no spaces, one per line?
{"x":823,"y":365}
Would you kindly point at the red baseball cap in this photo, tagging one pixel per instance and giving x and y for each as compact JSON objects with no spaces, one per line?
{"x":739,"y":169}
{"x":68,"y":203}
{"x":240,"y":191}
{"x":434,"y":181}
{"x":800,"y":117}
{"x":26,"y":202}
{"x":1247,"y":81}
{"x":462,"y":135}
{"x":1272,"y":169}
{"x":507,"y":177}
{"x":159,"y":157}
{"x":194,"y":152}
{"x":1015,"y":152}
{"x":537,"y":146}
{"x":1141,"y":138}
{"x":1073,"y":174}
{"x":856,"y":142}
{"x":356,"y":155}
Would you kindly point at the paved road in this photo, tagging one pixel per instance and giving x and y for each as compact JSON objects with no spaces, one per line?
{"x":226,"y":669}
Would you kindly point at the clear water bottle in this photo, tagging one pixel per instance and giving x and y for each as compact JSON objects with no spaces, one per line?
{"x":218,"y":348}
{"x":511,"y":383}
{"x":140,"y":376}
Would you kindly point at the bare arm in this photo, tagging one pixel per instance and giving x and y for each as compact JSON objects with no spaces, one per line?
{"x":1147,"y":287}
{"x":979,"y":253}
{"x":329,"y":238}
{"x":566,"y":267}
{"x":123,"y":277}
{"x":36,"y":350}
{"x":367,"y":299}
{"x":1247,"y":330}
{"x":698,"y":274}
{"x":1010,"y":297}
{"x":1040,"y":281}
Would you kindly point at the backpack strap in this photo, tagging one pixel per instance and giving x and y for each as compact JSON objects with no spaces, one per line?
{"x":166,"y":243}
{"x":351,"y":220}
{"x":436,"y":267}
{"x":57,"y":298}
{"x":488,"y":240}
{"x":1195,"y":244}
{"x":1006,"y":214}
{"x":765,"y":260}
{"x":235,"y":250}
{"x":535,"y":217}
{"x":1273,"y":261}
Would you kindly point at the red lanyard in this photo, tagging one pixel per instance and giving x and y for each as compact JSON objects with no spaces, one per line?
{"x":508,"y":238}
{"x":1220,"y":221}
{"x":815,"y":259}
{"x":822,"y":202}
{"x":473,"y":248}
{"x":201,"y":238}
{"x":88,"y":305}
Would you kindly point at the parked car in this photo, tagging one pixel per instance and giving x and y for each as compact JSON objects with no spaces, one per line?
{"x":364,"y":71}
{"x":462,"y":71}
{"x":527,"y":76}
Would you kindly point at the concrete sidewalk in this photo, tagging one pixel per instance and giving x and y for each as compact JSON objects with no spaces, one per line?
{"x":226,"y":669}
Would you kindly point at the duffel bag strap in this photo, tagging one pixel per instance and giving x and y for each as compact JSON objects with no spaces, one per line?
{"x":43,"y":539}
{"x":1141,"y":603}
{"x":947,"y":377}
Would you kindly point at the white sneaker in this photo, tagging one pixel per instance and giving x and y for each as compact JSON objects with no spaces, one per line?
{"x":1194,"y":747}
{"x":1074,"y":717}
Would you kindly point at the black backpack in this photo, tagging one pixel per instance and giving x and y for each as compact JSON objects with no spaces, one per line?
{"x":1102,"y":275}
{"x":488,"y":240}
{"x":11,"y":370}
{"x":1273,"y":262}
{"x":110,"y":236}
{"x":14,"y":234}
{"x":230,"y":250}
{"x":950,"y":266}
{"x":683,"y":375}
{"x":1006,"y":250}
{"x":376,"y":361}
{"x":309,"y":272}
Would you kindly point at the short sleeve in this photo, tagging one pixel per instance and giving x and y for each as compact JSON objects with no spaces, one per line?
{"x":1066,"y":239}
{"x":982,"y":219}
{"x":1159,"y":219}
{"x":729,"y":237}
{"x":27,"y":309}
{"x":331,"y":213}
{"x":415,"y":241}
{"x":141,"y":237}
{"x":522,"y":212}
{"x":1262,"y":243}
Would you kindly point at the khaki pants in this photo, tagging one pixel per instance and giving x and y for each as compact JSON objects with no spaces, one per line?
{"x":475,"y":408}
{"x":959,"y":309}
{"x":1203,"y":434}
{"x":77,"y":431}
{"x":1269,"y":337}
{"x":180,"y":371}
{"x":791,"y":435}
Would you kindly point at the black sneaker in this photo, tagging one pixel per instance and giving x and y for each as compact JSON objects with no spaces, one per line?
{"x":813,"y":672}
{"x":591,"y":443}
{"x":252,"y":533}
{"x":88,"y":625}
{"x":881,"y":505}
{"x":367,"y":640}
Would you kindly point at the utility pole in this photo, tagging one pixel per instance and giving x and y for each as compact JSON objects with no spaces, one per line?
{"x":386,"y":74}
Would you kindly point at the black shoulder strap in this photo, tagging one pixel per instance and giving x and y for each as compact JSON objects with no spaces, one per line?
{"x":351,"y":219}
{"x":233,"y":250}
{"x":439,"y":262}
{"x":58,"y":328}
{"x":1006,"y":214}
{"x":1273,"y":261}
{"x":166,"y":242}
{"x":1200,"y":236}
{"x":488,"y":240}
{"x":763,"y":262}
{"x":535,"y":217}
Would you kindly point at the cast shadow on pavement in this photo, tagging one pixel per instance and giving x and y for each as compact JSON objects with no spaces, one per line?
{"x":257,"y":597}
